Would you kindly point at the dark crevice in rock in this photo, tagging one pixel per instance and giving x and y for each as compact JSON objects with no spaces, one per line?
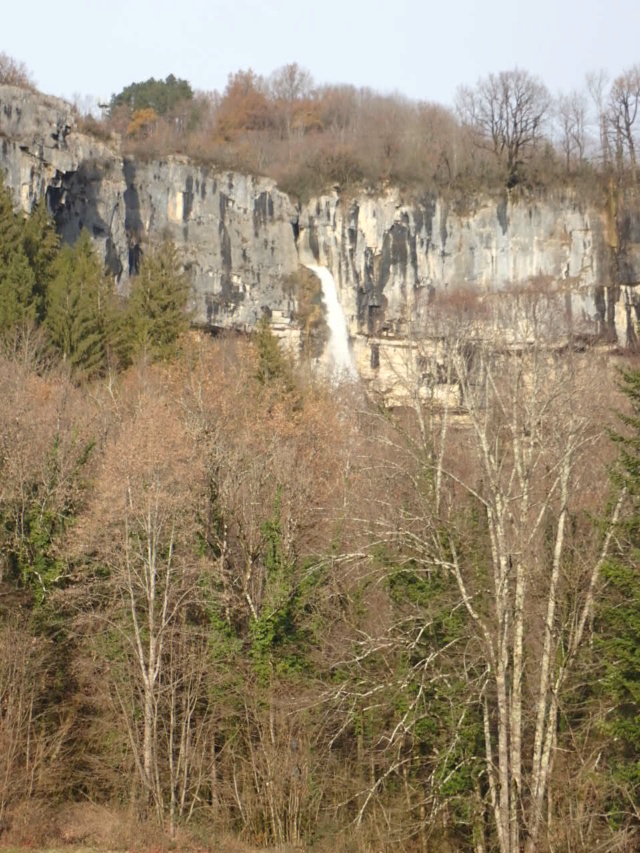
{"x":502,"y":214}
{"x":188,"y":195}
{"x":224,"y":205}
{"x":443,"y":226}
{"x":314,"y":244}
{"x":263,"y":212}
{"x":133,"y":226}
{"x":74,"y":202}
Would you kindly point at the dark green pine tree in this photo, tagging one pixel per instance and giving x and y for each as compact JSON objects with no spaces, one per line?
{"x":17,"y":296}
{"x":158,"y":314}
{"x":41,"y":245}
{"x":10,"y":224}
{"x":617,"y":623}
{"x":81,"y":312}
{"x":159,"y":95}
{"x":18,"y":299}
{"x":273,"y":364}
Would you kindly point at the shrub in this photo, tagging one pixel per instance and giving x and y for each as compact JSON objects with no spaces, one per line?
{"x":15,"y":73}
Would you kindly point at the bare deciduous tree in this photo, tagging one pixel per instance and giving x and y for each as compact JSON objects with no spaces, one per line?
{"x":18,"y":698}
{"x":290,"y":85}
{"x":506,"y":114}
{"x":596,"y":85}
{"x":571,"y":112}
{"x":624,"y":106}
{"x":521,"y":452}
{"x":141,"y":525}
{"x":14,"y":73}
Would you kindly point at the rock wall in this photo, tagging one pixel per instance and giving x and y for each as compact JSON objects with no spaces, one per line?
{"x":389,"y":257}
{"x":240,"y":236}
{"x":236,"y":232}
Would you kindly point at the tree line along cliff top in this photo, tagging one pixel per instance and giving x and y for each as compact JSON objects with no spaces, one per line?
{"x":504,"y":130}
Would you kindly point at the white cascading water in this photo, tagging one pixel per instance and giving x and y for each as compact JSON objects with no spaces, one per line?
{"x":341,"y":363}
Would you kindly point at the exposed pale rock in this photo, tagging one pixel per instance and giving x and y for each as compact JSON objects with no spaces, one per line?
{"x":235,"y":232}
{"x":388,"y":257}
{"x":239,"y":236}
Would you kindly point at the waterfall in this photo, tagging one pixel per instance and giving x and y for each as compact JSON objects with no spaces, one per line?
{"x":341,"y":363}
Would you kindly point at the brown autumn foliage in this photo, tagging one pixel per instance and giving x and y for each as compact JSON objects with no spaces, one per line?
{"x":15,"y":73}
{"x":239,"y":626}
{"x":243,"y":106}
{"x":142,"y":122}
{"x":45,"y":440}
{"x":199,"y":446}
{"x":312,"y":137}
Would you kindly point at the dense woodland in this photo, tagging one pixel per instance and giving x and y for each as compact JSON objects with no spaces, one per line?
{"x":240,"y":605}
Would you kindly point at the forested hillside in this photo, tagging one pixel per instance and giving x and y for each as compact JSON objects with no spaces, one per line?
{"x":245,"y":606}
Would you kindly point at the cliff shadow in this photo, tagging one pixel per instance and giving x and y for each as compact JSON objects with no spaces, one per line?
{"x":73,"y":199}
{"x":133,"y":226}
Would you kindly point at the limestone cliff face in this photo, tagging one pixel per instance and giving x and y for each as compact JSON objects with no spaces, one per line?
{"x":240,"y":236}
{"x":389,"y":257}
{"x":236,"y":232}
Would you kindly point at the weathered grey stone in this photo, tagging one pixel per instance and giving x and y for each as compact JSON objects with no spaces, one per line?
{"x":389,"y":259}
{"x":239,"y":235}
{"x":235,"y":231}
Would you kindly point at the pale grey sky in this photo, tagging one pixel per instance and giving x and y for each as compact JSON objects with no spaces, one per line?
{"x":423,"y":49}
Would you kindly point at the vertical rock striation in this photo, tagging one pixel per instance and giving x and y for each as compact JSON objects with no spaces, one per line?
{"x":241,"y":237}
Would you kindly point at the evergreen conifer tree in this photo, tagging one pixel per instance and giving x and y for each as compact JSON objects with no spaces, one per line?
{"x":158,"y":304}
{"x":81,"y":314}
{"x":10,"y":224}
{"x":273,"y":365}
{"x":41,"y":245}
{"x":17,"y":281}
